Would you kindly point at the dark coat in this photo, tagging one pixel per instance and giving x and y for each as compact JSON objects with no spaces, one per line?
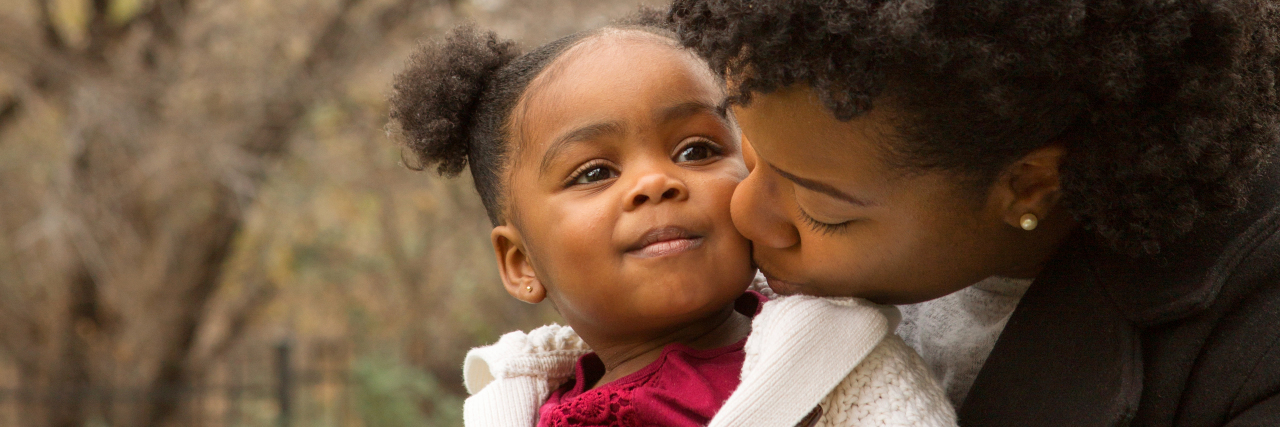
{"x":1101,"y":339}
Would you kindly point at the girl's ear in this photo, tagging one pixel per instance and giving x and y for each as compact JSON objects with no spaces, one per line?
{"x":1031,"y":186}
{"x":518,"y":275}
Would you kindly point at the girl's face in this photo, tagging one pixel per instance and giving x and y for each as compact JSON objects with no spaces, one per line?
{"x":828,"y":216}
{"x":620,"y":190}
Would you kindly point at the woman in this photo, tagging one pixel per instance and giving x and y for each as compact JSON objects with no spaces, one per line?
{"x":1101,"y":166}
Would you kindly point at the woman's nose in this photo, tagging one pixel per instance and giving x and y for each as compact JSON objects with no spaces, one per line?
{"x":656,"y":187}
{"x":757,"y":212}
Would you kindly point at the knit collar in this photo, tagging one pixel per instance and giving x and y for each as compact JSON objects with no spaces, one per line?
{"x":1004,"y":286}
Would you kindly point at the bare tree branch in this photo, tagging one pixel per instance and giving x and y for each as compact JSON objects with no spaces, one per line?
{"x":284,"y":112}
{"x":221,"y":227}
{"x":47,"y":28}
{"x":218,"y":341}
{"x":317,"y":68}
{"x":21,"y":337}
{"x":327,"y":44}
{"x":24,"y":52}
{"x":399,"y":13}
{"x":165,"y":16}
{"x":101,"y":35}
{"x":83,"y":316}
{"x":9,"y":106}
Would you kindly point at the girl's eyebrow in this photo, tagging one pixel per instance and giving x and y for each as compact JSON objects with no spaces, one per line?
{"x":596,"y":130}
{"x":686,"y":109}
{"x":581,"y":134}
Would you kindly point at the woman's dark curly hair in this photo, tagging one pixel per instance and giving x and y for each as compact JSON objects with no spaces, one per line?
{"x":1166,"y":109}
{"x":452,"y":104}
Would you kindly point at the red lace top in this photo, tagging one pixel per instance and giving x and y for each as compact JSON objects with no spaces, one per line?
{"x":684,"y":387}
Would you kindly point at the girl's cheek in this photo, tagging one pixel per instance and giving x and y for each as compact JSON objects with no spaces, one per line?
{"x":732,"y":181}
{"x":740,"y":169}
{"x":748,"y":157}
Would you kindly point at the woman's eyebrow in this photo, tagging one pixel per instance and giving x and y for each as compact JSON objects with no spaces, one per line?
{"x":579,"y":135}
{"x":820,"y":187}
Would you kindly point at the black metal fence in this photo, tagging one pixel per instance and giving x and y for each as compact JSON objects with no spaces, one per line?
{"x":276,"y":385}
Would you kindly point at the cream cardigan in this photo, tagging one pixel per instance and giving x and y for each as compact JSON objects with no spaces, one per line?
{"x":838,"y":355}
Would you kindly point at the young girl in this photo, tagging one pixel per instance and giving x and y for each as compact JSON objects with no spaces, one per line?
{"x":606,"y":162}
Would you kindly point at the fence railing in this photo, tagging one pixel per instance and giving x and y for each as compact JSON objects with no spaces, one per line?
{"x":267,"y":386}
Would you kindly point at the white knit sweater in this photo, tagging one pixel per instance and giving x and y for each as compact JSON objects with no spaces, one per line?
{"x":803,"y":353}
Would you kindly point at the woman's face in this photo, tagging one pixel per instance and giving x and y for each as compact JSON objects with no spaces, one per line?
{"x":621,"y":189}
{"x":827,"y":215}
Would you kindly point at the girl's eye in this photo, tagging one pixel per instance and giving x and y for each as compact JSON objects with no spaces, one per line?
{"x":594,"y":174}
{"x":696,"y":152}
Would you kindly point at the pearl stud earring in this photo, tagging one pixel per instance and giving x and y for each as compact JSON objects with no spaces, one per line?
{"x":1029,"y":222}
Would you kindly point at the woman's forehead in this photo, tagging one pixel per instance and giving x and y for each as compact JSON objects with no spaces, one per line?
{"x":793,"y":132}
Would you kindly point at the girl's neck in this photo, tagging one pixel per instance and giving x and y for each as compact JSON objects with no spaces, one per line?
{"x":624,"y":357}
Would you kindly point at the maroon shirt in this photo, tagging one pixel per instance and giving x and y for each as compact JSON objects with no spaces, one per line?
{"x":684,"y":387}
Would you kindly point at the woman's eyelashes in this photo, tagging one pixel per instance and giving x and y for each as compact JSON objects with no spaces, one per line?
{"x":822,"y":227}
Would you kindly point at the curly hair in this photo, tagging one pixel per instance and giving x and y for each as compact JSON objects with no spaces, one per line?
{"x":1166,"y":109}
{"x":452,"y":104}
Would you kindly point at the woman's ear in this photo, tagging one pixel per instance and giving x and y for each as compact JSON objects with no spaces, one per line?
{"x":1031,"y":187}
{"x":514,"y":265}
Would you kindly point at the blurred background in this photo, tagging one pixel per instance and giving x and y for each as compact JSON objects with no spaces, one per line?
{"x":203,"y":220}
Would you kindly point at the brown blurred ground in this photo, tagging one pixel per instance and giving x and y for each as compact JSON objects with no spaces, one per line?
{"x":186,"y":186}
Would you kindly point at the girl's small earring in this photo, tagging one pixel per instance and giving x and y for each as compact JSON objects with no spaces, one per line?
{"x":1029,"y":222}
{"x":528,"y":288}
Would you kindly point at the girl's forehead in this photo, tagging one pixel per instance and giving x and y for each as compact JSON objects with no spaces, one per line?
{"x":616,"y":76}
{"x":604,"y":53}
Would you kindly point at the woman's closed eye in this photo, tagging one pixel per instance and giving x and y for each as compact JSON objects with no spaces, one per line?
{"x":822,"y":227}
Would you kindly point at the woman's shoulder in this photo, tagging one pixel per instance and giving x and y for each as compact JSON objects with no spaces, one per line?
{"x":1217,"y":264}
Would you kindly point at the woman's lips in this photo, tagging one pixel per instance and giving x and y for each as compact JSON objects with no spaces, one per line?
{"x":664,"y":241}
{"x":779,"y":286}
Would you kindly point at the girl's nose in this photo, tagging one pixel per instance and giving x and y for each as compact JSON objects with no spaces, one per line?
{"x":757,"y":212}
{"x":656,"y":187}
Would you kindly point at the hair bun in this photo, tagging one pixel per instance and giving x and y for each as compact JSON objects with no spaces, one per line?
{"x":435,"y":98}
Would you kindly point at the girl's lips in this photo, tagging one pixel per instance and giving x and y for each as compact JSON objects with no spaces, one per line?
{"x":667,"y":247}
{"x":664,"y":241}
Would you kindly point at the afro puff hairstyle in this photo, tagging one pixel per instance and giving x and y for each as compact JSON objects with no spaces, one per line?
{"x":1166,"y":109}
{"x":452,"y":104}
